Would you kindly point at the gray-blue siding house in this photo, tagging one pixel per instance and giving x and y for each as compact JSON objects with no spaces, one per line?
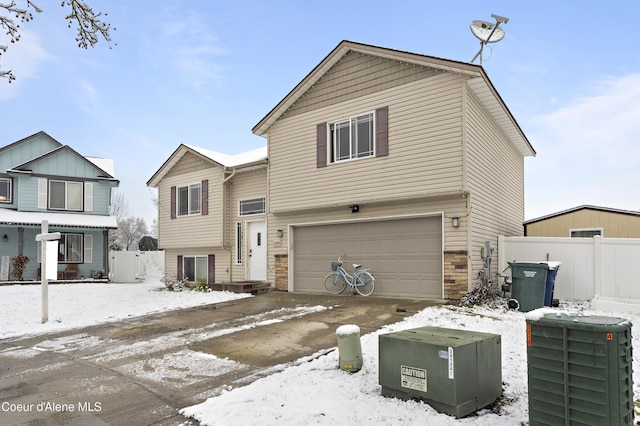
{"x":42,"y":179}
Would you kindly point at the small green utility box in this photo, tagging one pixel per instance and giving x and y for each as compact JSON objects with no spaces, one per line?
{"x":579,"y":370}
{"x":457,"y":372}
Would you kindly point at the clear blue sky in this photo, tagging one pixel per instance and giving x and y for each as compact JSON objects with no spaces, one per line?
{"x":205,"y":72}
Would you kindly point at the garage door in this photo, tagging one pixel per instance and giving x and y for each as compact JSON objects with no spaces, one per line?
{"x":405,"y":255}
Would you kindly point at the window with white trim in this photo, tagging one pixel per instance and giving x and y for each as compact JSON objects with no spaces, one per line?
{"x":70,"y":248}
{"x":195,"y":268}
{"x":5,"y":190}
{"x":252,"y":206}
{"x":65,"y":195}
{"x":189,"y":199}
{"x":351,"y":138}
{"x":238,"y":243}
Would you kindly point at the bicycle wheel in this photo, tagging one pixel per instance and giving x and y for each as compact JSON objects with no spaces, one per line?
{"x":335,"y":283}
{"x":365,"y":283}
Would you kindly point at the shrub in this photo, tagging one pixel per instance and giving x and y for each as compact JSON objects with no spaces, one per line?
{"x":201,"y":285}
{"x":173,"y":283}
{"x":19,"y":263}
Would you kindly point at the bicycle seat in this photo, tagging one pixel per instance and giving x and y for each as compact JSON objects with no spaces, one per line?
{"x":356,"y":266}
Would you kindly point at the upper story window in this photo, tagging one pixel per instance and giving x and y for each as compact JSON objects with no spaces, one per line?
{"x":351,"y":138}
{"x":65,"y":195}
{"x":5,"y":190}
{"x":252,"y":206}
{"x":189,"y":199}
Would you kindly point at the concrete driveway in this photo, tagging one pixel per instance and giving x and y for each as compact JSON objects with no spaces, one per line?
{"x":142,"y":371}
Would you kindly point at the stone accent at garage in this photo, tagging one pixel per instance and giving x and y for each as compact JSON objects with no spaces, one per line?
{"x":456,"y":278}
{"x":282,"y":272}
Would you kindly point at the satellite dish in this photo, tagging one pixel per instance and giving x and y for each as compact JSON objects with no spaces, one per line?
{"x":487,"y":32}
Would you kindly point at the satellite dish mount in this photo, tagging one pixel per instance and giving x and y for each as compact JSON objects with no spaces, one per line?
{"x":487,"y":32}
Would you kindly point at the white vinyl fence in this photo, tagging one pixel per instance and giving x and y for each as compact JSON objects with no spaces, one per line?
{"x":134,"y":266}
{"x":604,"y":270}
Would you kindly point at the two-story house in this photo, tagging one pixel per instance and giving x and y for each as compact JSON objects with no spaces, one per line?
{"x":43,"y":180}
{"x":207,"y":203}
{"x":403,"y":162}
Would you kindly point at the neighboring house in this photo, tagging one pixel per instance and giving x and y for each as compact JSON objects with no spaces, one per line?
{"x":403,"y":162}
{"x":207,"y":201}
{"x":586,"y":221}
{"x":41,"y":179}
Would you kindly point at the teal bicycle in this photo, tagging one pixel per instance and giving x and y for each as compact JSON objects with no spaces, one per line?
{"x":361,"y":279}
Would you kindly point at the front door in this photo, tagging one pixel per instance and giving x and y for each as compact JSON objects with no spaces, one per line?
{"x":257,"y":268}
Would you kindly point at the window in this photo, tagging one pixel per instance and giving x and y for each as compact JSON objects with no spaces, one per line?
{"x":351,"y":138}
{"x":189,"y":199}
{"x":195,"y":268}
{"x":238,"y":243}
{"x":64,"y":195}
{"x":585,"y":233}
{"x":70,"y":248}
{"x":252,"y":206}
{"x":5,"y":190}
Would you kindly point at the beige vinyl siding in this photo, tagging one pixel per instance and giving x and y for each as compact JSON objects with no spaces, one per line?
{"x":245,"y":185}
{"x":614,"y":225}
{"x":495,"y":178}
{"x":356,"y":75}
{"x":425,"y":149}
{"x":194,"y":230}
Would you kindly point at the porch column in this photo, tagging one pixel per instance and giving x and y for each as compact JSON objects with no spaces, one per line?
{"x":105,"y":252}
{"x":20,"y":240}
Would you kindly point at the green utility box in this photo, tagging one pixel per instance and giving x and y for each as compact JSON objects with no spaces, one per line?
{"x":580,"y":370}
{"x":528,"y":284}
{"x":456,"y":372}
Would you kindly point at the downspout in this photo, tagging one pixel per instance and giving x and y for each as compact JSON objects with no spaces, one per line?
{"x":224,"y":227}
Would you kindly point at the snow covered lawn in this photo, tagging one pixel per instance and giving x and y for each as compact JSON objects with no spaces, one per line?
{"x":81,"y":305}
{"x":313,"y":390}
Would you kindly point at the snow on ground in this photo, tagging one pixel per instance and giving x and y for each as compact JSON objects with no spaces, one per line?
{"x":311,"y":391}
{"x":316,"y":391}
{"x":81,"y":305}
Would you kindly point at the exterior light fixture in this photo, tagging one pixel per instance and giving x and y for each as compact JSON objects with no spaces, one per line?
{"x":5,"y":238}
{"x":455,"y":222}
{"x":355,"y":208}
{"x":279,"y":233}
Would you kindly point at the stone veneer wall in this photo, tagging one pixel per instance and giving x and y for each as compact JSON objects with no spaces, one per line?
{"x":456,"y":278}
{"x":282,"y":272}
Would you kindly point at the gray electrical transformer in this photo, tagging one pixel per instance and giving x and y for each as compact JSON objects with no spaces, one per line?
{"x":457,"y":372}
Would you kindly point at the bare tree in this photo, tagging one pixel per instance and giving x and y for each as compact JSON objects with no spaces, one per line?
{"x":90,"y":25}
{"x":130,"y":230}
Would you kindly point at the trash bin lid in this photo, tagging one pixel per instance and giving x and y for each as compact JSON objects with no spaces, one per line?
{"x":551,"y":264}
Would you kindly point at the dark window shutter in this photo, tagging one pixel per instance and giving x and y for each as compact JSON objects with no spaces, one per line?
{"x":205,"y":196}
{"x":173,"y":202}
{"x":382,"y":132}
{"x":179,"y":274}
{"x":211,"y":262}
{"x":321,"y":145}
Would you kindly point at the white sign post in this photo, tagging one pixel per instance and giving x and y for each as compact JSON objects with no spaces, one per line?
{"x":45,"y":238}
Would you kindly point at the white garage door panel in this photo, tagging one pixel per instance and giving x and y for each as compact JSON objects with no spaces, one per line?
{"x":405,"y":255}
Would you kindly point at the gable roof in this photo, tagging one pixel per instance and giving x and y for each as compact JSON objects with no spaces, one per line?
{"x":478,"y":82}
{"x":28,"y":138}
{"x":583,"y":207}
{"x":256,"y":157}
{"x":23,"y":168}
